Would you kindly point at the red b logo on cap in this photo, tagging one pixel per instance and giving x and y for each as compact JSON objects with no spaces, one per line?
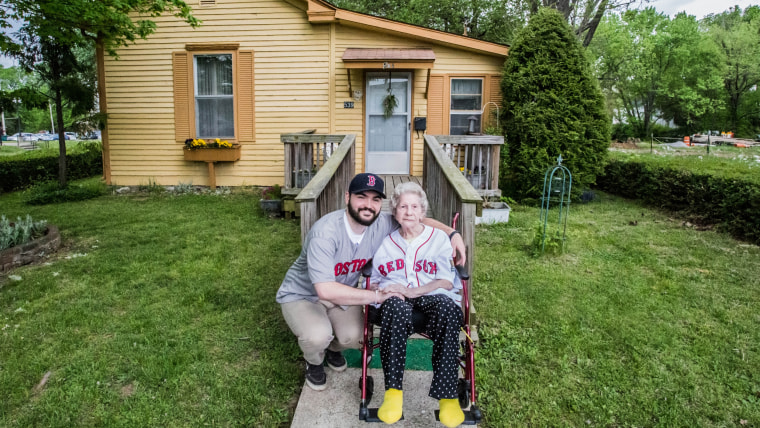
{"x":371,"y":180}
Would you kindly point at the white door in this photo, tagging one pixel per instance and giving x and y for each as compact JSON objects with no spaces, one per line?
{"x":388,"y":139}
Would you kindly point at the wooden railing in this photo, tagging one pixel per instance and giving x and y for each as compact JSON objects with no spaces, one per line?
{"x":477,"y":158}
{"x":305,"y":155}
{"x":449,"y":192}
{"x":325,"y":192}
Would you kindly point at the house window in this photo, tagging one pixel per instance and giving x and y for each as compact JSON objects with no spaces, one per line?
{"x":466,"y":102}
{"x":214,"y":99}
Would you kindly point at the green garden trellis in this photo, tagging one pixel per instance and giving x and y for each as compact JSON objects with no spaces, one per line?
{"x":558,"y":182}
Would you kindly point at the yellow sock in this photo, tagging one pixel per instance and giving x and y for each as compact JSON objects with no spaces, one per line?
{"x":392,"y":408}
{"x":451,"y":414}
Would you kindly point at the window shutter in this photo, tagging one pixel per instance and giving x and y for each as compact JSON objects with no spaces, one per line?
{"x":435,"y":108}
{"x":494,"y":95}
{"x":245,"y":99}
{"x":182,"y":96}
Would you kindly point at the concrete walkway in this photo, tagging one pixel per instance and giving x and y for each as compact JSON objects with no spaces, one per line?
{"x":338,"y":405}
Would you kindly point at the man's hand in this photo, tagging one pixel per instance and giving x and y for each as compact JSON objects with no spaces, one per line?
{"x":392,"y":290}
{"x":398,"y":290}
{"x":459,"y":249}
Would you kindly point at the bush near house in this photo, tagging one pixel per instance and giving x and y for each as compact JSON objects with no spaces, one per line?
{"x":552,"y":106}
{"x":732,"y":203}
{"x":18,"y":172}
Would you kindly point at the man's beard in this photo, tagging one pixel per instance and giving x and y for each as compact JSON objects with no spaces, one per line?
{"x":355,"y":215}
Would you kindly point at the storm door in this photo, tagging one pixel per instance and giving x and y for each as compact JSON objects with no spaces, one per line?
{"x":388,"y":131}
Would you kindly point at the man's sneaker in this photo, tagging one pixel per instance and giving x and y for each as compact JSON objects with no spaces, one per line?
{"x":335,"y":360}
{"x":316,"y":377}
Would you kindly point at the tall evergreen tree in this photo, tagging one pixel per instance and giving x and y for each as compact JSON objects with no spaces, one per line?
{"x":552,"y":106}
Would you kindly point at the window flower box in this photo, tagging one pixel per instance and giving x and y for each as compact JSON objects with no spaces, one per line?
{"x":211,"y":152}
{"x":217,"y":151}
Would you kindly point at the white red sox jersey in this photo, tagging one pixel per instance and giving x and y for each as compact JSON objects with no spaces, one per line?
{"x":328,"y":254}
{"x":416,"y":263}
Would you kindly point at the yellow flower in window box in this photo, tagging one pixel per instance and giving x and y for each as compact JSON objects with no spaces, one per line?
{"x":216,"y":150}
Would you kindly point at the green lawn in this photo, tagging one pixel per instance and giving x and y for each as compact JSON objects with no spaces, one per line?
{"x":9,"y":148}
{"x":722,"y":161}
{"x":159,"y":311}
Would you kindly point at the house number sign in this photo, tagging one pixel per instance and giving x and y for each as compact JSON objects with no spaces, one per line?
{"x":348,"y":104}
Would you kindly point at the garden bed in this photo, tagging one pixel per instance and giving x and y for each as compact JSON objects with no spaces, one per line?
{"x":31,"y":251}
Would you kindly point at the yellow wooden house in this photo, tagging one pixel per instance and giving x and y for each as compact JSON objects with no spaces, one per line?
{"x":257,"y":69}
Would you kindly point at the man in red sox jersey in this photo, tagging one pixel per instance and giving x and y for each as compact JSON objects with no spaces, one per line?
{"x":414,"y":261}
{"x":319,"y":297}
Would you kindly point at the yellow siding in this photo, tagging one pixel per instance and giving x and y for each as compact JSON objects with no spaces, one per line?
{"x":293,"y":90}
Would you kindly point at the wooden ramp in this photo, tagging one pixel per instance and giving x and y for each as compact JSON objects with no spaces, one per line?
{"x":391,"y":181}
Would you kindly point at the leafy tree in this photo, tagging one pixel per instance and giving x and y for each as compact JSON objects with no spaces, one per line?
{"x":552,"y":106}
{"x":491,"y":20}
{"x":738,"y":36}
{"x":583,"y":15}
{"x":651,"y":67}
{"x":58,"y":67}
{"x":16,"y":92}
{"x":691,"y":89}
{"x":53,"y":29}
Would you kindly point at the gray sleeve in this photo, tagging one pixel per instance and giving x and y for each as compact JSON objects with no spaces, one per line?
{"x":321,"y":258}
{"x":387,"y":223}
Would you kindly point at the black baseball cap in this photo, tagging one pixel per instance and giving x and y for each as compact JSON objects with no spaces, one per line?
{"x":366,"y":181}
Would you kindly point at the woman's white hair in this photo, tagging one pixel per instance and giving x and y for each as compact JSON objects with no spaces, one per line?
{"x":409,"y":187}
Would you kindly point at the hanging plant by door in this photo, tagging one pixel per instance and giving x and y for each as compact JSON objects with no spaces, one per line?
{"x":389,"y":102}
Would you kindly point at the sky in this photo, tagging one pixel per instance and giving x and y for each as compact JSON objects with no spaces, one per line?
{"x":698,"y":8}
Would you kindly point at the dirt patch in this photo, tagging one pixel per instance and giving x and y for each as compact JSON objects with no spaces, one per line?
{"x":624,"y":145}
{"x":127,"y":391}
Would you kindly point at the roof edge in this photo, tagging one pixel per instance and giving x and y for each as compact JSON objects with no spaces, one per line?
{"x":320,"y":11}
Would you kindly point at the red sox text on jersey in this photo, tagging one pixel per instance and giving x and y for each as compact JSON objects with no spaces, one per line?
{"x":421,"y":265}
{"x":347,"y":267}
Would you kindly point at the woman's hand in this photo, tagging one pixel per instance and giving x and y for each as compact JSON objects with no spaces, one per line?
{"x":408,"y":292}
{"x":395,"y":288}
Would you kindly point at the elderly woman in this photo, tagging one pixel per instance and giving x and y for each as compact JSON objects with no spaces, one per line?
{"x":414,"y":261}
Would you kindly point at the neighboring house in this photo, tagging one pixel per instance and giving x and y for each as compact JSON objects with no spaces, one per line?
{"x":256,"y":69}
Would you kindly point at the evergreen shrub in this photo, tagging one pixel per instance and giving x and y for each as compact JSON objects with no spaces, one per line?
{"x":732,"y":204}
{"x":552,"y":106}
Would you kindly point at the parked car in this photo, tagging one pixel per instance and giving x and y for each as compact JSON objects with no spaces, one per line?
{"x":92,"y":135}
{"x":25,"y":136}
{"x":48,"y":137}
{"x":71,"y":135}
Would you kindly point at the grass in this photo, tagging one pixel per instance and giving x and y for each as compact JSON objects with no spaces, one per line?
{"x":723,"y":161}
{"x":9,"y":148}
{"x":642,"y":322}
{"x":159,"y":311}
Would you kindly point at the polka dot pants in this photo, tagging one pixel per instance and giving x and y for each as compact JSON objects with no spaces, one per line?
{"x":444,"y":319}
